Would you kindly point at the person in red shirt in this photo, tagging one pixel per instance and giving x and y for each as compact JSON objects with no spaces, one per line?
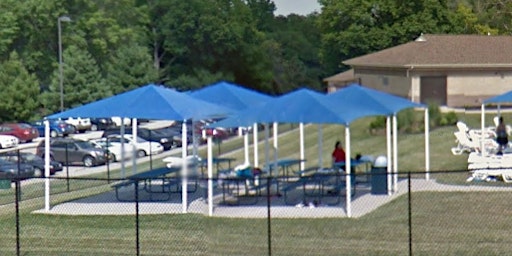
{"x":338,"y":155}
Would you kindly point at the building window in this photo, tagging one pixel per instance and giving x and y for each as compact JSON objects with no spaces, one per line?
{"x":385,"y":81}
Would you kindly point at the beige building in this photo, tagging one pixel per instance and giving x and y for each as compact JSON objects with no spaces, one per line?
{"x":451,"y":70}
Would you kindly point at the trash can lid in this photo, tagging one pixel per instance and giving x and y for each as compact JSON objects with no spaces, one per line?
{"x":380,"y":161}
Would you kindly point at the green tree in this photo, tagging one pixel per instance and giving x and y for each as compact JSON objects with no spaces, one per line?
{"x":495,"y":16}
{"x":295,"y":53}
{"x":20,"y":90}
{"x":36,"y":40}
{"x":353,"y":28}
{"x":130,"y":67}
{"x":218,"y":36}
{"x":82,"y":81}
{"x":9,"y":27}
{"x":102,"y":26}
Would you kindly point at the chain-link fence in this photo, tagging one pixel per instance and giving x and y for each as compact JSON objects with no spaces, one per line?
{"x":445,"y":215}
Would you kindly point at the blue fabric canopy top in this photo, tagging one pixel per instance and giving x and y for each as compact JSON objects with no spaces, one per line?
{"x":230,"y":95}
{"x":385,"y":103}
{"x":151,"y":102}
{"x":300,"y":106}
{"x":502,"y":98}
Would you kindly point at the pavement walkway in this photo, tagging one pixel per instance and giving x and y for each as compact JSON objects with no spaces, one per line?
{"x":363,"y":203}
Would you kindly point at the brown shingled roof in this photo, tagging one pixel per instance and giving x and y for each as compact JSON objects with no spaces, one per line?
{"x":443,"y":50}
{"x":343,"y":76}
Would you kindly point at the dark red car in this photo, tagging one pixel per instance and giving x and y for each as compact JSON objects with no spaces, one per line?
{"x":24,"y":132}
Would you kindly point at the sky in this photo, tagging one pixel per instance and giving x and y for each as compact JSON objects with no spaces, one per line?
{"x":301,"y":7}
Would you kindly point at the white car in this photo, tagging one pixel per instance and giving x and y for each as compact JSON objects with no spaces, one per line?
{"x":81,"y":124}
{"x":174,"y":161}
{"x":8,"y":141}
{"x":117,"y":121}
{"x":114,"y":148}
{"x":142,"y":146}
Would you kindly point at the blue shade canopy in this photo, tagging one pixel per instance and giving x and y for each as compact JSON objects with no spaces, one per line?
{"x":151,"y":102}
{"x":230,"y":95}
{"x":300,"y":106}
{"x":384,"y":103}
{"x":502,"y":98}
{"x":244,"y":118}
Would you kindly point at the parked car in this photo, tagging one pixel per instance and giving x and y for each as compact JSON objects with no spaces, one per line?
{"x":177,"y":128}
{"x":114,"y":148}
{"x":170,"y":132}
{"x":117,"y":121}
{"x":80,"y":124}
{"x":101,"y":123}
{"x":58,"y":128}
{"x":11,"y":171}
{"x":78,"y":152}
{"x":24,"y":132}
{"x":167,"y":141}
{"x":8,"y":141}
{"x":31,"y":159}
{"x":143,"y":146}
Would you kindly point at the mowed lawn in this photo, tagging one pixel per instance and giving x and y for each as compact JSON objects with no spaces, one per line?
{"x":443,"y":223}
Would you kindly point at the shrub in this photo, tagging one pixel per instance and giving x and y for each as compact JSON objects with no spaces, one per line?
{"x":449,"y":118}
{"x":406,"y":120}
{"x":434,"y":114}
{"x":378,"y":123}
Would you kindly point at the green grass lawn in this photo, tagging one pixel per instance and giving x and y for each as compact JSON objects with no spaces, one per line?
{"x":472,"y":223}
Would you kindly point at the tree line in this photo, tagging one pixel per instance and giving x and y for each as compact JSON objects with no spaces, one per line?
{"x":111,"y":46}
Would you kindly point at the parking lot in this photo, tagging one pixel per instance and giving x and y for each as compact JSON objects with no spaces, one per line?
{"x":78,"y":170}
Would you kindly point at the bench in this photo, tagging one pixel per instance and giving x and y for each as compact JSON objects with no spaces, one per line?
{"x":319,"y":186}
{"x":148,"y":177}
{"x":233,"y":186}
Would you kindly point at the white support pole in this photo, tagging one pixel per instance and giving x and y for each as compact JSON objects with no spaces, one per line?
{"x":195,"y":150}
{"x":395,"y":154}
{"x":246,"y":146}
{"x":210,"y":176}
{"x":389,"y":152}
{"x":348,"y":184}
{"x":47,"y":165}
{"x":482,"y":124}
{"x":320,"y":146}
{"x":123,"y":166}
{"x":276,"y":153}
{"x":267,"y":147}
{"x":255,"y":144}
{"x":135,"y":145}
{"x":194,"y":139}
{"x":301,"y":134}
{"x":427,"y":145}
{"x":184,"y":171}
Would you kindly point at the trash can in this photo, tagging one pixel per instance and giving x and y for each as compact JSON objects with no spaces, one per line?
{"x":5,"y":184}
{"x":379,"y":177}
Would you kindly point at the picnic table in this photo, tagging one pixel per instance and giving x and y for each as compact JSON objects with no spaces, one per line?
{"x":354,"y":164}
{"x":147,"y":178}
{"x":218,"y":162}
{"x":318,"y":183}
{"x":284,"y":165}
{"x":239,"y":187}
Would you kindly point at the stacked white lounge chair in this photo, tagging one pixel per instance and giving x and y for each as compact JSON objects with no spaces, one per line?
{"x":468,"y":140}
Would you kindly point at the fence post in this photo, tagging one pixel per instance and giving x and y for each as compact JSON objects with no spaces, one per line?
{"x":269,"y":232}
{"x":17,"y":205}
{"x":137,"y":233}
{"x":67,"y":167}
{"x":409,"y":210}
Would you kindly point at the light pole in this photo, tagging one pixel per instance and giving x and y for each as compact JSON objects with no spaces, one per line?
{"x":59,"y":20}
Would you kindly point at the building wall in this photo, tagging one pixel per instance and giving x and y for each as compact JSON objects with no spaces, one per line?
{"x":397,"y":85}
{"x":470,"y":89}
{"x":464,"y":87}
